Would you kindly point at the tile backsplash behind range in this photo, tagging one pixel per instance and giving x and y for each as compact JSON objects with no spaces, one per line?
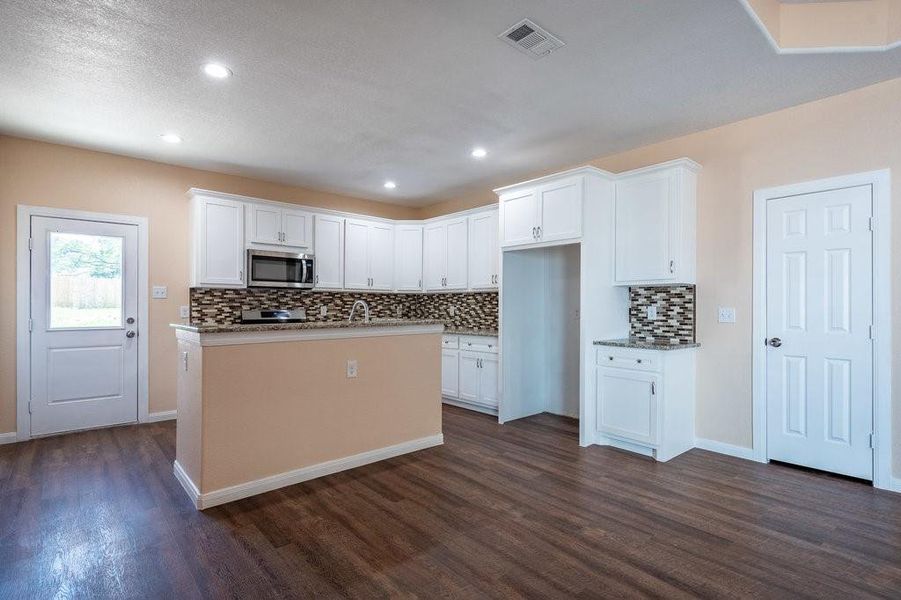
{"x":675,"y":313}
{"x":475,"y":310}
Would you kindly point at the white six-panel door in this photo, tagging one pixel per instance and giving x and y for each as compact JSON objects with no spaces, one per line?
{"x":84,"y":312}
{"x":819,"y":368}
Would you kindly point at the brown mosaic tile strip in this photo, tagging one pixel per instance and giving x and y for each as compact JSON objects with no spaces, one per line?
{"x":675,"y":313}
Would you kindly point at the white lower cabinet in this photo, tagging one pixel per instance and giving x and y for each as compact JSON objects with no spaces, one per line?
{"x":469,"y":372}
{"x":645,"y":400}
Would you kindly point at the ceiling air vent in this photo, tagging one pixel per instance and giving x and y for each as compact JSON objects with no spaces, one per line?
{"x":531,"y":39}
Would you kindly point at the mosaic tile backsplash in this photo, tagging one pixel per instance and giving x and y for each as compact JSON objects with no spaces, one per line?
{"x":675,"y":313}
{"x":476,"y":310}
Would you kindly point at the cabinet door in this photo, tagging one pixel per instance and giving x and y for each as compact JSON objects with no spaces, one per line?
{"x":381,"y":256}
{"x":408,"y":258}
{"x":488,"y":380}
{"x":483,"y":250}
{"x":520,"y":216}
{"x":435,"y":255}
{"x":469,"y":376}
{"x":561,"y":210}
{"x":297,"y":228}
{"x":220,"y":237}
{"x":329,"y":252}
{"x":627,"y":404}
{"x":450,"y":373}
{"x":265,"y":224}
{"x":457,"y":249}
{"x":356,"y":254}
{"x":644,"y":228}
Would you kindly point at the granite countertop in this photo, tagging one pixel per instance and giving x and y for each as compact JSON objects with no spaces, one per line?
{"x":238,"y":328}
{"x":642,"y":344}
{"x":467,"y":331}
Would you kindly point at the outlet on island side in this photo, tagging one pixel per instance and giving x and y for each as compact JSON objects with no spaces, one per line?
{"x":351,"y":369}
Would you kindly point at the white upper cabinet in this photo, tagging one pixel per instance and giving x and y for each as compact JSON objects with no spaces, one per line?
{"x":408,"y":258}
{"x":368,"y":255}
{"x":273,"y":225}
{"x":329,"y":252}
{"x":542,"y":211}
{"x":218,"y":242}
{"x":654,"y":225}
{"x":483,"y":250}
{"x":445,"y":254}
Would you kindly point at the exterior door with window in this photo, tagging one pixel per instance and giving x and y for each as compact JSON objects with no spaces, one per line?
{"x":84,"y":310}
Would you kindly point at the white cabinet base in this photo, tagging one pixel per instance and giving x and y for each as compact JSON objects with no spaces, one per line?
{"x":488,"y":410}
{"x":469,"y":374}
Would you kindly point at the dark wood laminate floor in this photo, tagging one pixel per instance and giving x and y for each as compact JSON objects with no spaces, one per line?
{"x":499,"y":511}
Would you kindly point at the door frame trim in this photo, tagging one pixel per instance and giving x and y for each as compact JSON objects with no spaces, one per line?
{"x":24,"y":213}
{"x":882,"y":300}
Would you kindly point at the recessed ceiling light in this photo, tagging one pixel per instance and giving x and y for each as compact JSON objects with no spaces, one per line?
{"x":217,"y":71}
{"x":479,"y":153}
{"x":171,"y":138}
{"x":390,"y":185}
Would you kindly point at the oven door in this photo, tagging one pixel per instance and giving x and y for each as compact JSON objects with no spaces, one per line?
{"x":279,"y":269}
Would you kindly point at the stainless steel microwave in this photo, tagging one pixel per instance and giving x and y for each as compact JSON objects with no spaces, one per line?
{"x":280,"y":269}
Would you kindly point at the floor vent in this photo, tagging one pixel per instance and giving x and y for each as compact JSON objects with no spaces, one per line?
{"x":529,"y":38}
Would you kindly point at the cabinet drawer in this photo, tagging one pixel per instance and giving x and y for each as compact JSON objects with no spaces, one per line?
{"x":450,"y":341}
{"x":478,"y":343}
{"x":638,"y":360}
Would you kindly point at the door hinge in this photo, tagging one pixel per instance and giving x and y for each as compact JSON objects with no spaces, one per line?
{"x":872,"y":332}
{"x":29,"y":407}
{"x":873,"y":441}
{"x":30,"y":244}
{"x":872,"y":223}
{"x":30,"y":324}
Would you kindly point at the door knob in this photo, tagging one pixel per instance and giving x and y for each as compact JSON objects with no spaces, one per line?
{"x":130,"y":334}
{"x":774,"y":342}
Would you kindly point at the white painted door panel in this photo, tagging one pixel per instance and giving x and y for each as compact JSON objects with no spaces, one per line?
{"x":84,"y":291}
{"x":408,"y":258}
{"x":561,"y":210}
{"x":297,"y":228}
{"x":381,"y":256}
{"x":819,"y":304}
{"x":450,"y":373}
{"x":356,"y":255}
{"x":221,"y":243}
{"x":644,"y":228}
{"x":627,"y":404}
{"x":329,"y":252}
{"x":483,"y":250}
{"x":521,"y":217}
{"x":435,"y":259}
{"x":266,"y":224}
{"x":469,"y":376}
{"x":457,"y":249}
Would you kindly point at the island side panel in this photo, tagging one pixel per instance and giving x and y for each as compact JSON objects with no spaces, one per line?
{"x":190,"y":409}
{"x":272,"y":408}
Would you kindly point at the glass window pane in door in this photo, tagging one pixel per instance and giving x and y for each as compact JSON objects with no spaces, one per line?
{"x":85,"y":280}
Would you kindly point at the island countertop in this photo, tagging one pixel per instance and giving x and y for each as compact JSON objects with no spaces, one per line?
{"x":306,"y":325}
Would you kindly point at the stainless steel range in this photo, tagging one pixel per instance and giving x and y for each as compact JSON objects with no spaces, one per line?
{"x":279,"y":315}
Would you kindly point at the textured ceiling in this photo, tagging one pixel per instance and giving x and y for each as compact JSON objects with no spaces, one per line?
{"x":341,"y":95}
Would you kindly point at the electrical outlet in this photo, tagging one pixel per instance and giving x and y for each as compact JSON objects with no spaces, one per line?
{"x":652,"y":313}
{"x":160,"y":292}
{"x":398,"y":311}
{"x":452,"y":310}
{"x":184,"y":312}
{"x":351,"y":369}
{"x":726,"y":314}
{"x":323,"y":311}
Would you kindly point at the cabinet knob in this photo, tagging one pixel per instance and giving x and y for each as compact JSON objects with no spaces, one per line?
{"x":638,"y":360}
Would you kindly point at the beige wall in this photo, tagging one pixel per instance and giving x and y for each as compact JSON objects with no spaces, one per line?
{"x":44,"y":174}
{"x":854,"y":132}
{"x":299,"y":409}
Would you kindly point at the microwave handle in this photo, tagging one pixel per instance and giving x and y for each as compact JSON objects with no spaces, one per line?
{"x":303,"y":272}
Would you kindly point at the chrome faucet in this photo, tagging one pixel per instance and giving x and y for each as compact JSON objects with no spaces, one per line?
{"x":354,"y":308}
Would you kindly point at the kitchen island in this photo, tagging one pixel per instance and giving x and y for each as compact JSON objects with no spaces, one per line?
{"x":265,"y":406}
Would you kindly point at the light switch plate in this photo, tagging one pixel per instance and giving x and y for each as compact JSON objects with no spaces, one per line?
{"x":160,"y":292}
{"x":652,"y":313}
{"x":184,"y":312}
{"x":351,"y":369}
{"x":726,"y":314}
{"x":452,"y":310}
{"x":323,"y":310}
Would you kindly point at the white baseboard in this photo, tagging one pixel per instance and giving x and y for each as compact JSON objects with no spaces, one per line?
{"x":274,"y":482}
{"x":7,"y":438}
{"x":164,"y":415}
{"x":187,"y":484}
{"x":727,"y":449}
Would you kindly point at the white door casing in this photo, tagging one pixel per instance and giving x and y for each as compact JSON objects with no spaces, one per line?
{"x":819,"y":369}
{"x":84,"y":360}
